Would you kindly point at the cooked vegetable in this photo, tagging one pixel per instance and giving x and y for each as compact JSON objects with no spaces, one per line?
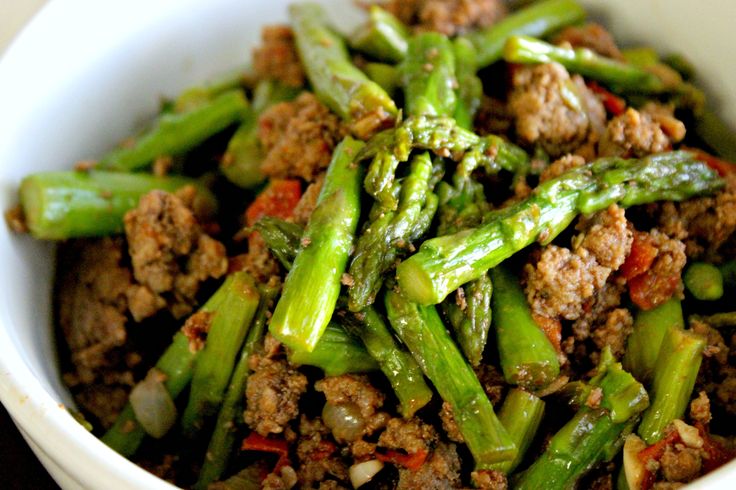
{"x":521,"y":414}
{"x":527,"y":357}
{"x":152,"y":405}
{"x":704,"y":281}
{"x":282,"y":238}
{"x":420,"y":328}
{"x":469,"y":86}
{"x":383,"y":36}
{"x":337,"y":352}
{"x":345,"y":89}
{"x":471,"y":324}
{"x":443,"y":264}
{"x":63,"y":205}
{"x":540,"y":19}
{"x":313,"y":284}
{"x":174,"y":134}
{"x":428,"y":76}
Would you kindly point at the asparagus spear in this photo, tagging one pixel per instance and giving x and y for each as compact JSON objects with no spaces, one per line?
{"x":241,"y":162}
{"x":399,"y":366}
{"x":674,"y":378}
{"x":428,"y":76}
{"x":176,"y":363}
{"x":527,"y":357}
{"x":443,"y":264}
{"x":719,"y":320}
{"x":337,"y":352}
{"x":469,"y":86}
{"x":704,"y":281}
{"x":223,"y":437}
{"x":593,"y":435}
{"x":200,"y":95}
{"x":175,"y":134}
{"x":540,"y":19}
{"x":73,"y":204}
{"x":384,"y":36}
{"x":422,"y":331}
{"x":313,"y":284}
{"x":650,"y":328}
{"x":216,"y":362}
{"x":282,"y":238}
{"x":345,"y":89}
{"x":378,"y":246}
{"x":471,"y":324}
{"x":521,"y":414}
{"x":387,"y":76}
{"x":618,"y":75}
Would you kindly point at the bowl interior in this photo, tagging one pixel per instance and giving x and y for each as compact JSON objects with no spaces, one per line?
{"x":85,"y":74}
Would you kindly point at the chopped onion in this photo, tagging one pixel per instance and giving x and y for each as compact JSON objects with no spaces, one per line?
{"x":362,"y":473}
{"x":344,"y":420}
{"x":633,"y":467}
{"x":153,"y":407}
{"x":689,"y":434}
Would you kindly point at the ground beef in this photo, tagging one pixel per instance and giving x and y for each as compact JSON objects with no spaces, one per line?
{"x":449,"y":423}
{"x":272,"y":394}
{"x":705,"y":224}
{"x":489,"y":480}
{"x":664,"y":115}
{"x":680,"y":463}
{"x":171,"y":255}
{"x":492,"y":381}
{"x":276,"y":58}
{"x":440,"y":472}
{"x":592,"y":36}
{"x":560,"y":166}
{"x":410,"y":435}
{"x":308,"y":201}
{"x":104,"y":402}
{"x":549,"y":108}
{"x":313,"y":440}
{"x":605,"y":300}
{"x":449,"y":17}
{"x":700,"y":409}
{"x":606,"y":235}
{"x":298,"y":137}
{"x":615,"y":331}
{"x":633,"y":134}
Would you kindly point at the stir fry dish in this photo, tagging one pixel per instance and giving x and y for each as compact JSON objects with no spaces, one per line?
{"x":466,"y":246}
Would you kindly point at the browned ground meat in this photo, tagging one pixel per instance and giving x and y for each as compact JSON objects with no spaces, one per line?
{"x":299,"y":137}
{"x":605,"y":300}
{"x":313,"y":439}
{"x":104,"y":401}
{"x":634,"y":134}
{"x":592,"y":36}
{"x":564,"y":281}
{"x":449,"y":423}
{"x":493,"y":117}
{"x":705,"y":224}
{"x":272,"y":394}
{"x":489,"y":480}
{"x":680,"y":463}
{"x":276,"y":58}
{"x":171,"y":255}
{"x":447,"y":16}
{"x":285,"y":479}
{"x":550,"y":108}
{"x":410,"y":435}
{"x":492,"y":381}
{"x":308,"y":201}
{"x":440,"y":472}
{"x":560,"y":166}
{"x":700,"y":409}
{"x":614,"y":332}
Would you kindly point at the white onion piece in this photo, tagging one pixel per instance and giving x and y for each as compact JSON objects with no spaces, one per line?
{"x":153,"y":407}
{"x":362,"y":473}
{"x":633,"y":467}
{"x":689,"y":434}
{"x":344,"y":420}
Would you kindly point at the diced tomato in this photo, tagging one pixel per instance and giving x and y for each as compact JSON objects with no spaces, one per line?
{"x":552,"y":328}
{"x":717,"y":454}
{"x":721,"y":166}
{"x":256,"y":442}
{"x":613,"y":103}
{"x":278,"y":200}
{"x":641,"y":257}
{"x":412,"y":461}
{"x":649,"y":290}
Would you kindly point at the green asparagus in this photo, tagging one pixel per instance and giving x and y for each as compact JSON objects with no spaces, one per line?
{"x":521,"y":414}
{"x":675,"y":372}
{"x":617,"y":75}
{"x":428,"y":76}
{"x":74,"y":204}
{"x":471,"y":321}
{"x":313,"y":284}
{"x":399,"y":366}
{"x":650,"y":328}
{"x":200,"y":95}
{"x":216,"y":362}
{"x":725,"y":319}
{"x":592,"y":436}
{"x":175,"y":134}
{"x":223,"y":437}
{"x":282,"y":238}
{"x":387,"y":76}
{"x":704,"y":281}
{"x":469,"y":86}
{"x":383,"y":36}
{"x":540,"y":19}
{"x":363,"y":104}
{"x":422,"y":331}
{"x":528,"y":358}
{"x":337,"y":352}
{"x":443,"y":264}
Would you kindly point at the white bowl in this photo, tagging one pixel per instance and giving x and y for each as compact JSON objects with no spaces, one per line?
{"x":85,"y":73}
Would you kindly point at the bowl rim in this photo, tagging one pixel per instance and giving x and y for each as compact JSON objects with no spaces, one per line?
{"x":80,"y":454}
